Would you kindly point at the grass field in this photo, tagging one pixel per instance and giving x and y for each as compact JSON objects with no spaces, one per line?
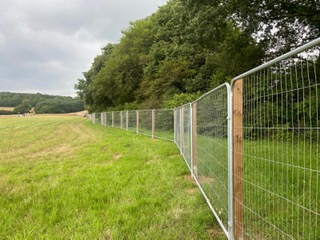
{"x":65,"y":178}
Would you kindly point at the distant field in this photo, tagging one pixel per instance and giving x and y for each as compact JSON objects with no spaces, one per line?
{"x":7,"y":108}
{"x":65,"y":178}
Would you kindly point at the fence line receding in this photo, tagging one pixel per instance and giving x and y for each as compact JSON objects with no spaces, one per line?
{"x":252,"y":146}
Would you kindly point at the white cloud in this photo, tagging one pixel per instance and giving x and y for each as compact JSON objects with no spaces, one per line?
{"x":45,"y":45}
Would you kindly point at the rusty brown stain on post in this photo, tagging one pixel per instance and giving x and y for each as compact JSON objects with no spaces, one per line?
{"x":194,"y":139}
{"x":238,"y":158}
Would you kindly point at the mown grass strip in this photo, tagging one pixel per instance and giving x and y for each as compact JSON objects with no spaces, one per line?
{"x":65,"y":178}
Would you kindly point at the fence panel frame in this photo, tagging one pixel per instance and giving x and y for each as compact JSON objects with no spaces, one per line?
{"x":229,"y":229}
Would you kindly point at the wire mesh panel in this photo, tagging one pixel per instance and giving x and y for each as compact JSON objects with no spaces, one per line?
{"x":281,"y":150}
{"x":124,"y":119}
{"x":185,"y":133}
{"x":109,"y":119}
{"x":90,"y":117}
{"x":145,"y":122}
{"x":212,"y":151}
{"x":117,"y":119}
{"x":132,"y":121}
{"x":164,"y":123}
{"x":97,"y":118}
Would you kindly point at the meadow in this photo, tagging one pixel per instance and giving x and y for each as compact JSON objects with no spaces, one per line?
{"x":61,"y":177}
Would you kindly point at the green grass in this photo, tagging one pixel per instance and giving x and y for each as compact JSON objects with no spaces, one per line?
{"x":281,"y":185}
{"x":282,"y":179}
{"x":65,"y":178}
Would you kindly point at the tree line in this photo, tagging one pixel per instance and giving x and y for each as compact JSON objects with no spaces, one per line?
{"x":40,"y":103}
{"x":190,"y":46}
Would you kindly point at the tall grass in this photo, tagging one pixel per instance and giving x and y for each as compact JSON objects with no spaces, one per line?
{"x":65,"y":178}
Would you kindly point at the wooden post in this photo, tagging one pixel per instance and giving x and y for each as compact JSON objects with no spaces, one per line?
{"x":194,"y":140}
{"x":153,"y":116}
{"x":238,"y":158}
{"x":137,"y":112}
{"x":127,"y":120}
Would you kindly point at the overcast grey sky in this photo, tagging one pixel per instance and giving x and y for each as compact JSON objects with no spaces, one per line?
{"x":45,"y":45}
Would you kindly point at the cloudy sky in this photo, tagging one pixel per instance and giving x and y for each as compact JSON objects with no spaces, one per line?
{"x":45,"y":45}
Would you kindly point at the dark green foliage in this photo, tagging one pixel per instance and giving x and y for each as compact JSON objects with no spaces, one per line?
{"x":58,"y":105}
{"x":23,"y":103}
{"x":8,"y":99}
{"x":281,"y":25}
{"x":84,"y":88}
{"x":180,"y":99}
{"x":24,"y":107}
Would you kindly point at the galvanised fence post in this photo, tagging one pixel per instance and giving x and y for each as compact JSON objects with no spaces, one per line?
{"x":182,"y":129}
{"x":194,"y":140}
{"x":175,"y":125}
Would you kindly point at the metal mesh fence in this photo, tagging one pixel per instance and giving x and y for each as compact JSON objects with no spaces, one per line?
{"x":90,"y":116}
{"x":158,"y":123}
{"x":212,"y":150}
{"x":132,"y":121}
{"x":97,"y":118}
{"x":108,"y":119}
{"x":256,"y":159}
{"x":145,"y":122}
{"x":281,"y":150}
{"x":124,"y":120}
{"x":185,"y":133}
{"x":117,"y":119}
{"x":164,"y":124}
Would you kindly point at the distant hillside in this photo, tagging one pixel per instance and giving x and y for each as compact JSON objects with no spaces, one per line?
{"x":42,"y":103}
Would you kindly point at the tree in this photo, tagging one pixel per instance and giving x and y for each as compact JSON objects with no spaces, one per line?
{"x":185,"y":47}
{"x":24,"y":107}
{"x":281,"y":25}
{"x":59,"y":105}
{"x":83,"y":87}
